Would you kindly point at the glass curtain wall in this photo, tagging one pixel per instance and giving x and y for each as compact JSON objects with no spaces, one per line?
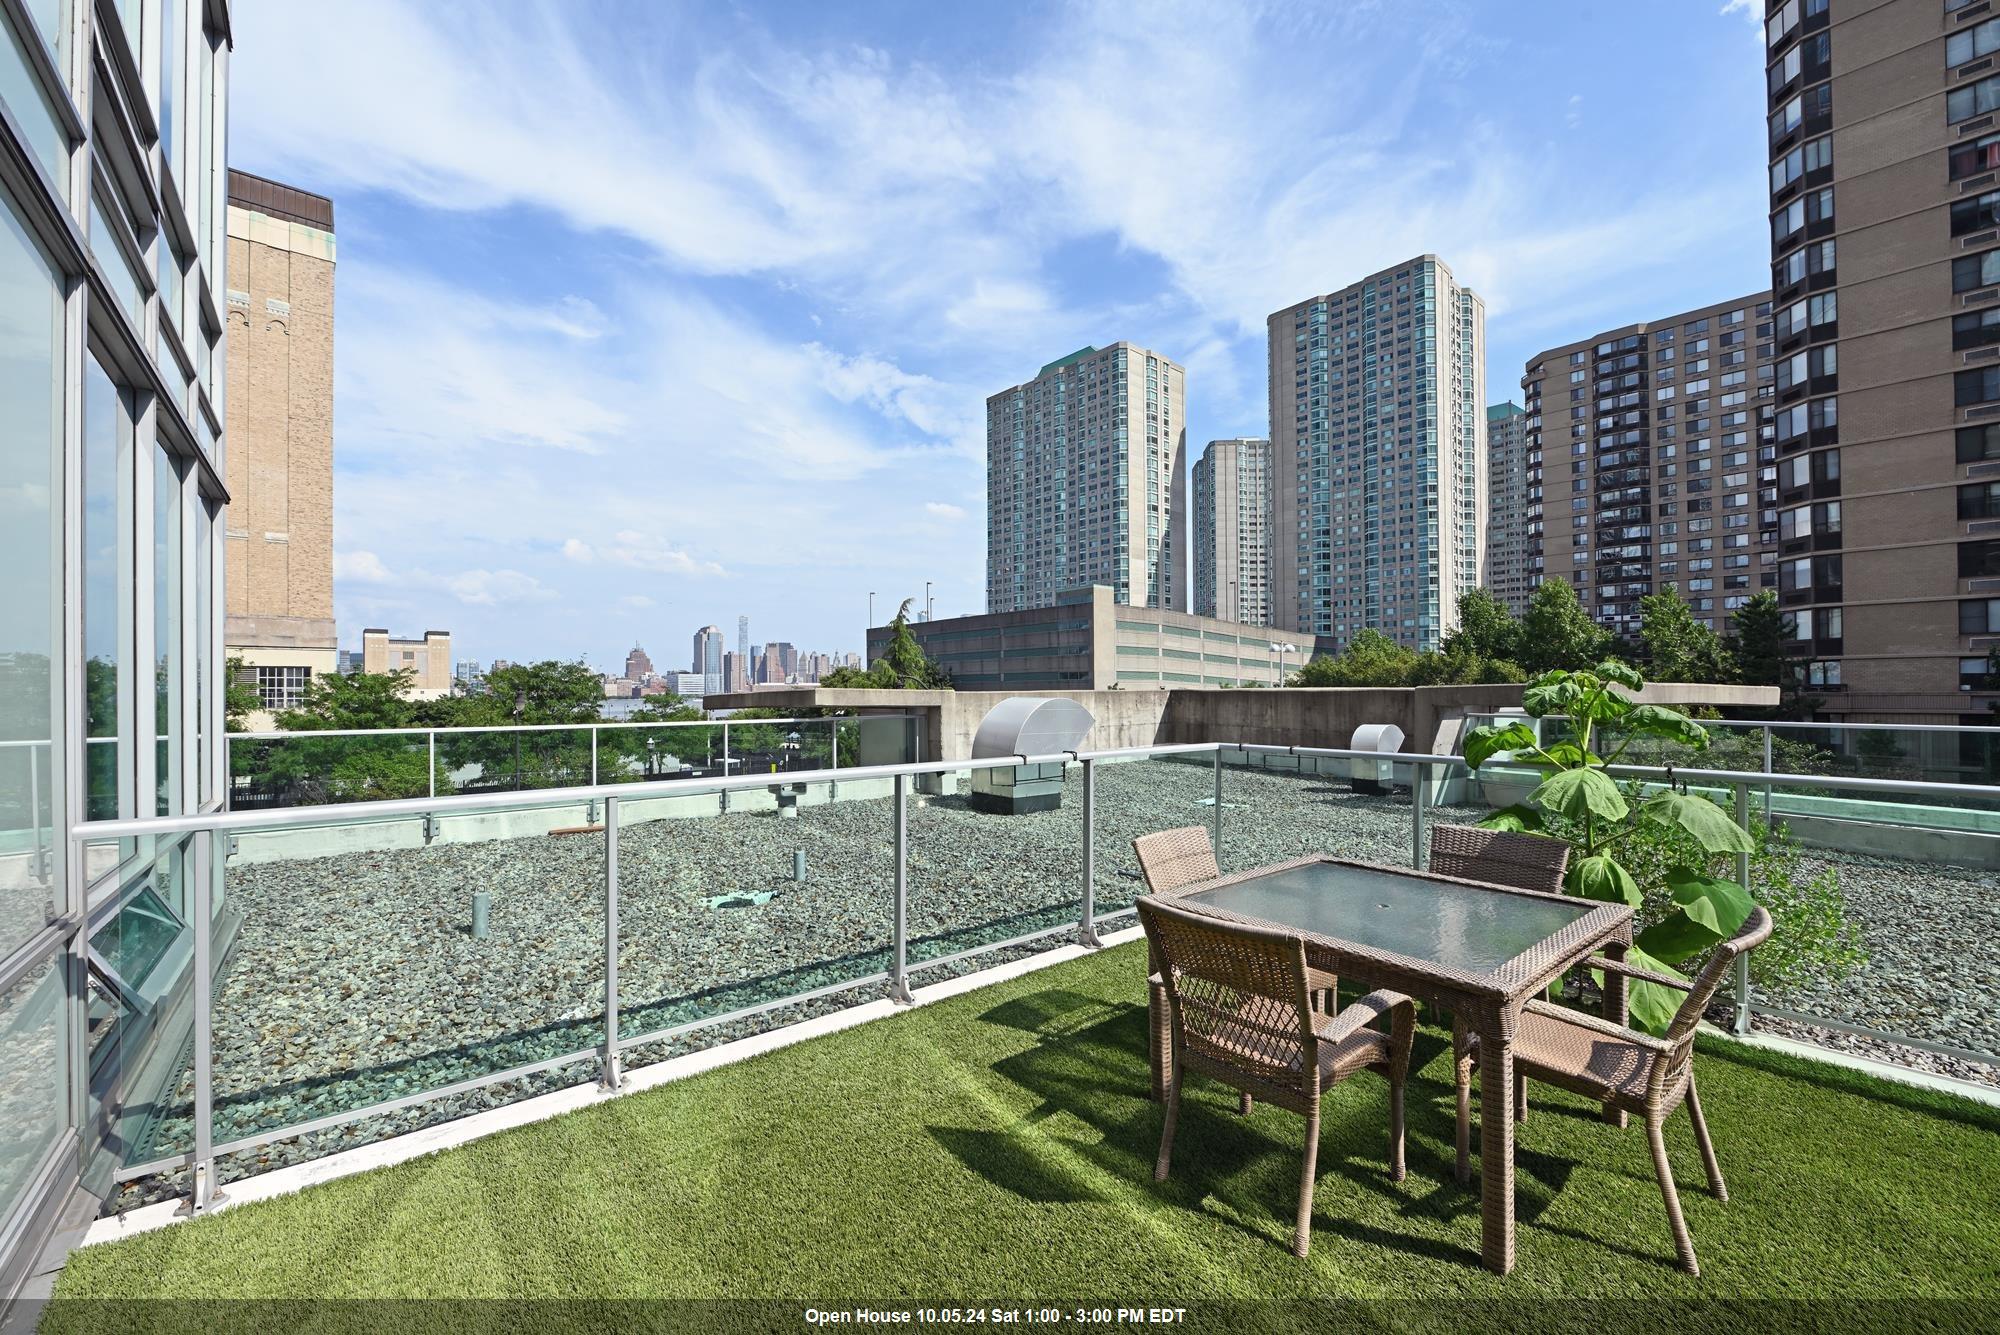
{"x":110,"y":465}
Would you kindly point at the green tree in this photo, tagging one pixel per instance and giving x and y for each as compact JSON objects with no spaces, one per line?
{"x":343,"y":768}
{"x":550,"y":691}
{"x":1557,"y":633}
{"x":1765,"y":656}
{"x":357,"y":700}
{"x":1679,"y":647}
{"x":1369,"y":659}
{"x":239,"y":699}
{"x":903,"y":666}
{"x":1486,"y":627}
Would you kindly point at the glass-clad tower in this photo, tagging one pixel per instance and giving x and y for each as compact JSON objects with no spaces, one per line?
{"x":111,"y":320}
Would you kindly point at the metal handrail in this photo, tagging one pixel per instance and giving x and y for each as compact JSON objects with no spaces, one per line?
{"x":211,"y":853}
{"x":581,"y":725}
{"x":1771,"y":723}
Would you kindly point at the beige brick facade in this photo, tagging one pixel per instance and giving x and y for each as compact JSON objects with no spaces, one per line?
{"x":278,"y":590}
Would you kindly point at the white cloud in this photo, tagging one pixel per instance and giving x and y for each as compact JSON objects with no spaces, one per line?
{"x":490,"y":588}
{"x":1751,"y":10}
{"x":362,"y":567}
{"x":636,"y":601}
{"x":576,"y":549}
{"x":944,"y":510}
{"x":641,"y":552}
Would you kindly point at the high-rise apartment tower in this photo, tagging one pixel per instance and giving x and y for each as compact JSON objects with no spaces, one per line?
{"x":1084,"y":469}
{"x":1649,"y":463}
{"x":1503,"y":563}
{"x":1232,"y":531}
{"x":1884,"y":133}
{"x":708,"y":658}
{"x":1378,"y":442}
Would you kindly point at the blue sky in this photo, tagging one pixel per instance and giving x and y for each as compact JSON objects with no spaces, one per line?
{"x":649,"y":315}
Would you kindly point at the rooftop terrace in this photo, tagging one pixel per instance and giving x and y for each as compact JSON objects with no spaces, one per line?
{"x":1000,"y":1143}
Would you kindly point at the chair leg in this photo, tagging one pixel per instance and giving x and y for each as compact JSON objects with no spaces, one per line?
{"x":1302,"y":1235}
{"x":1520,"y":1096}
{"x":1461,"y":1066}
{"x":1683,"y":1244}
{"x":1396,"y":1170}
{"x":1159,"y":1040}
{"x":1716,"y":1186}
{"x":1244,"y":1104}
{"x":1173,"y":1099}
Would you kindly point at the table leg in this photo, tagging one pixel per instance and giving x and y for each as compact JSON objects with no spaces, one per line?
{"x":1461,"y":1063}
{"x":1496,"y":1142}
{"x":1615,"y":1010}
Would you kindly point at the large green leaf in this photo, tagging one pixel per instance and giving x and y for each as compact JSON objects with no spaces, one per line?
{"x":1581,"y":793}
{"x":1659,"y":721}
{"x":1622,"y":673}
{"x":1552,"y":693}
{"x":1650,"y":1006}
{"x":1568,"y":755}
{"x":1519,"y":818}
{"x":1483,"y":743}
{"x":1707,"y":822}
{"x":1711,"y":910}
{"x":1600,"y":877}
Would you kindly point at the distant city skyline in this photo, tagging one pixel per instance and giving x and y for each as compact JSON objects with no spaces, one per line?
{"x":624,"y":419}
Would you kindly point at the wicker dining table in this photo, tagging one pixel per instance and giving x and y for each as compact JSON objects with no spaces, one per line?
{"x":1477,"y":950}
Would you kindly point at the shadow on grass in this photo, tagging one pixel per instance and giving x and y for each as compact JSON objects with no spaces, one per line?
{"x":1088,"y":1063}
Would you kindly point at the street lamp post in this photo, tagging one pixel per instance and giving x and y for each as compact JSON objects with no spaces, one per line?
{"x":871,"y":612}
{"x":1281,"y":650}
{"x":927,"y":600}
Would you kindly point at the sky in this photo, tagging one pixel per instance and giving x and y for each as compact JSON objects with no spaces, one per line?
{"x":653,"y":315}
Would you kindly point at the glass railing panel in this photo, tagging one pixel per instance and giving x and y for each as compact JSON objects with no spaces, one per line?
{"x":995,"y":854}
{"x":510,"y":760}
{"x":28,"y":841}
{"x":34,"y":1071}
{"x":1881,"y":925}
{"x":1144,"y":796}
{"x":367,"y":961}
{"x":660,"y":751}
{"x":1278,"y":806}
{"x":303,"y":769}
{"x":787,"y":891}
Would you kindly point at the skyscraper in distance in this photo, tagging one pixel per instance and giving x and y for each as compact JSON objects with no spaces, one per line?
{"x":1084,"y":469}
{"x":1503,"y":562}
{"x":1232,"y":531}
{"x":1378,"y":441}
{"x":708,"y":658}
{"x":637,"y":665}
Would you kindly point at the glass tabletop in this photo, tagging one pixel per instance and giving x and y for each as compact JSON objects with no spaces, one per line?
{"x":1458,"y":926}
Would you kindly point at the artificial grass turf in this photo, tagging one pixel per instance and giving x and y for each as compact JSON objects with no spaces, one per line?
{"x":999,"y":1145}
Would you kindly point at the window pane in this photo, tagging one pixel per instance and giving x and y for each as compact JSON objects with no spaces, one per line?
{"x":34,"y":1070}
{"x":107,"y":576}
{"x":25,"y":97}
{"x":31,"y":381}
{"x":117,"y":266}
{"x":166,"y":631}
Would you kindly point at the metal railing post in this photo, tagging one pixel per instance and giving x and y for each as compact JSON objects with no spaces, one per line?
{"x":833,"y":758}
{"x":899,"y":939}
{"x":1741,"y":1022}
{"x":1086,"y":928}
{"x":1418,"y":773}
{"x":609,"y":1074}
{"x":432,"y":769}
{"x":1215,"y":817}
{"x":1767,"y":770}
{"x":593,"y":756}
{"x":726,"y":771}
{"x":203,"y":1194}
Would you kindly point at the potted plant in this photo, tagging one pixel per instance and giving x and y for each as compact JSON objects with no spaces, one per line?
{"x":1578,"y":800}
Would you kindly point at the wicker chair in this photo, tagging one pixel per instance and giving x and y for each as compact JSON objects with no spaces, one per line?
{"x":1170,"y":860}
{"x":1626,"y":1070}
{"x":1502,"y":857}
{"x":1242,"y":1014}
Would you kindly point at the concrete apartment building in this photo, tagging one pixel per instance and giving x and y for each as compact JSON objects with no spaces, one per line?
{"x":1084,"y":469}
{"x":1649,"y":464}
{"x":1232,"y":531}
{"x":279,"y":525}
{"x":1884,"y":136}
{"x":429,"y":658}
{"x":1503,"y":564}
{"x":1088,"y":640}
{"x":1378,"y":441}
